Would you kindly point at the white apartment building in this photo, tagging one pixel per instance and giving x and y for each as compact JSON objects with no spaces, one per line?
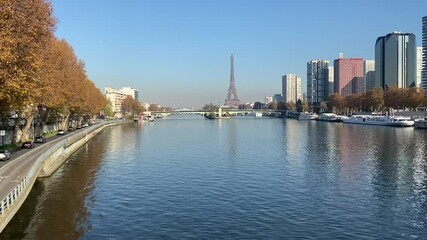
{"x":116,"y":97}
{"x":291,"y":88}
{"x":331,"y":81}
{"x":419,"y":66}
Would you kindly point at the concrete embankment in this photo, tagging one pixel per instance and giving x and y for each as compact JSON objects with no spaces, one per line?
{"x":18,"y":176}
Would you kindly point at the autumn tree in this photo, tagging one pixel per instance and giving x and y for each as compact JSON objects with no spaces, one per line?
{"x":153,"y":107}
{"x":414,"y":98}
{"x":336,"y":103}
{"x":374,"y":99}
{"x":131,"y":106}
{"x":353,"y":102}
{"x":393,"y":98}
{"x":291,"y":105}
{"x":26,"y":26}
{"x":272,"y":105}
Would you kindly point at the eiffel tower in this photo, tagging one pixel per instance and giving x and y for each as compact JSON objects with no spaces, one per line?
{"x":232,"y":99}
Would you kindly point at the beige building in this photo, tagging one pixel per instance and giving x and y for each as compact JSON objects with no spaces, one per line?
{"x":116,"y":97}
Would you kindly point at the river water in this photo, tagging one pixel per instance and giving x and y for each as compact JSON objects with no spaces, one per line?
{"x":244,"y":178}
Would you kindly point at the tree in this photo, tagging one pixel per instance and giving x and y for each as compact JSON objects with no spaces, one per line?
{"x":131,"y":106}
{"x":210,"y":107}
{"x":153,"y":107}
{"x":272,"y":105}
{"x":323,"y":106}
{"x":336,"y":103}
{"x":414,"y":98}
{"x":392,"y":98}
{"x":257,"y":105}
{"x":108,"y":109}
{"x":374,"y":99}
{"x":353,"y":102}
{"x":26,"y":26}
{"x":305,"y":106}
{"x":299,"y":106}
{"x":291,"y":105}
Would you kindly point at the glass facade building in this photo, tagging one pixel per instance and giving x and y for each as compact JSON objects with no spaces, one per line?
{"x":395,"y":60}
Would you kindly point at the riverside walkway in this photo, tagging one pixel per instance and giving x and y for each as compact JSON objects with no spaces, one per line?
{"x":18,"y":175}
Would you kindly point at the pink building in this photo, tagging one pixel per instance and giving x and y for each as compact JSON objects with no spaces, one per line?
{"x":348,"y":76}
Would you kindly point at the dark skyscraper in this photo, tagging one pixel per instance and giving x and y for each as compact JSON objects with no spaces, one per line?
{"x":232,"y":99}
{"x":395,"y":60}
{"x":424,"y":57}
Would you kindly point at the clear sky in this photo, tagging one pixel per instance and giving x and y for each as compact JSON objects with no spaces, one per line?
{"x":177,"y":52}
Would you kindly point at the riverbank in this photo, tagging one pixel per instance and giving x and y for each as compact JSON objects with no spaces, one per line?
{"x":17,"y":177}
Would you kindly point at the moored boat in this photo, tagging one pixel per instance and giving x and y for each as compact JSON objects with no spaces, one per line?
{"x":396,"y":121}
{"x":330,"y":117}
{"x":420,"y":123}
{"x":307,"y":116}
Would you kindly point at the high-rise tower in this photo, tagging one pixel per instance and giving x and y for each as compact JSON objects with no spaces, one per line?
{"x":317,"y":82}
{"x":395,"y":60}
{"x":424,"y":57}
{"x":232,"y":99}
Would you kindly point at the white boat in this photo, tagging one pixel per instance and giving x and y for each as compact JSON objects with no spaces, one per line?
{"x":331,"y":117}
{"x":421,"y":123}
{"x":396,"y":121}
{"x":307,"y":116}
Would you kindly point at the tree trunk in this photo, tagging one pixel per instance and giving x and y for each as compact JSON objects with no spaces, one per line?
{"x":26,"y":131}
{"x":65,"y":122}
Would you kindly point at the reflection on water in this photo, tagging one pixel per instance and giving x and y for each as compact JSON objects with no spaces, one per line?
{"x":246,"y":178}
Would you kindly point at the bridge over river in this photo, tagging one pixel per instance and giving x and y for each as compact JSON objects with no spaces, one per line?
{"x":231,"y":112}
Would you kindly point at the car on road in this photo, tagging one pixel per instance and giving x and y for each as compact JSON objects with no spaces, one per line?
{"x":70,"y":129}
{"x":5,"y":154}
{"x":61,"y":132}
{"x":27,"y":145}
{"x":39,"y":139}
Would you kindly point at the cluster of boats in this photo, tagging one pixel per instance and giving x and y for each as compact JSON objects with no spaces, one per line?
{"x":396,"y":121}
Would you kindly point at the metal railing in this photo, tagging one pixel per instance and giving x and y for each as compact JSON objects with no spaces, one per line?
{"x":32,"y":174}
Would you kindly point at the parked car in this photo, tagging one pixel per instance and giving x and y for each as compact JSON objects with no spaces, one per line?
{"x":39,"y":139}
{"x":5,"y":154}
{"x":70,"y":129}
{"x":79,"y":126}
{"x":61,"y":132}
{"x":27,"y":145}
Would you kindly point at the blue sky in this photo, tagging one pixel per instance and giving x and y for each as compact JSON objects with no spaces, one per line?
{"x":176,"y":52}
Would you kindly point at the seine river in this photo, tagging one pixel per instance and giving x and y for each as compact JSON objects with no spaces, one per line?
{"x":244,"y":178}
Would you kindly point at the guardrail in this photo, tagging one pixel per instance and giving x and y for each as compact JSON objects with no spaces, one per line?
{"x":7,"y":202}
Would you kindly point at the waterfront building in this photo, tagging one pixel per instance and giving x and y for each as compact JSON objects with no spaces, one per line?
{"x":275,"y":98}
{"x":331,"y":81}
{"x":317,"y":82}
{"x":116,"y":97}
{"x":291,"y":88}
{"x":348,"y":76}
{"x":395,"y":60}
{"x":134,"y":93}
{"x":424,"y":56}
{"x":369,"y":74}
{"x":419,"y":66}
